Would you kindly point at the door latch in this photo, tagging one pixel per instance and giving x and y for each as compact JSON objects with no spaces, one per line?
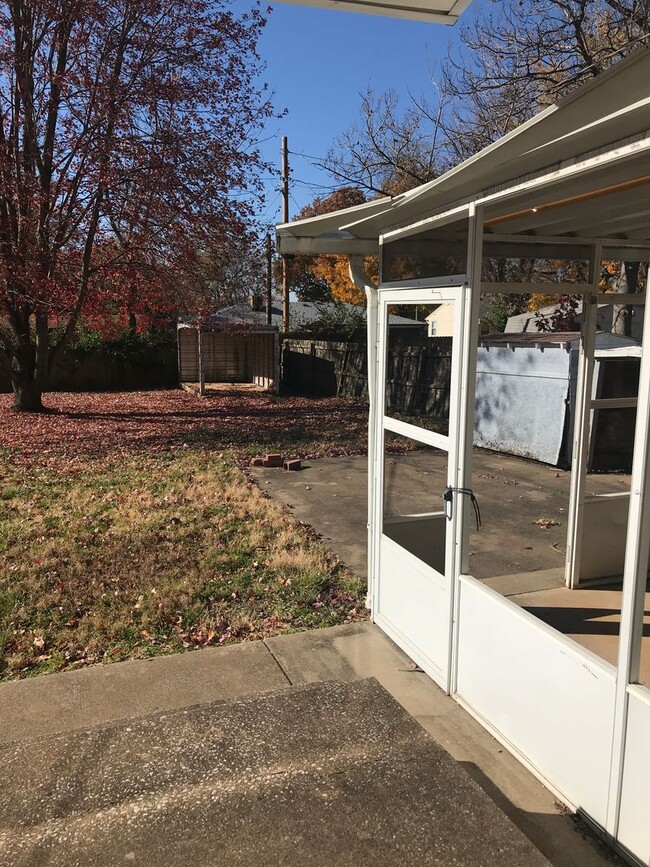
{"x":448,"y":500}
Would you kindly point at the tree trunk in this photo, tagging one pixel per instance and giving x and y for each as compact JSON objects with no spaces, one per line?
{"x":29,"y":367}
{"x":27,"y":394}
{"x":626,"y":282}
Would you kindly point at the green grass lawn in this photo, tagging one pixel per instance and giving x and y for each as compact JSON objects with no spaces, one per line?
{"x":128,"y":551}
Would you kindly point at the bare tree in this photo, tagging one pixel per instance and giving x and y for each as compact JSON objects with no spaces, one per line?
{"x":512,"y":60}
{"x":390,"y":149}
{"x":520,"y":57}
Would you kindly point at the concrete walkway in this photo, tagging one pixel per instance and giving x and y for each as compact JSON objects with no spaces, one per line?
{"x":323,"y":774}
{"x":93,"y":759}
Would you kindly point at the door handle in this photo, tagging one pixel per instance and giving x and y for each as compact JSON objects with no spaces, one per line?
{"x":448,"y":500}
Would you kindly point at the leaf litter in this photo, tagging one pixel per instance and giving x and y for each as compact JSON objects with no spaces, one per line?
{"x":129,"y":529}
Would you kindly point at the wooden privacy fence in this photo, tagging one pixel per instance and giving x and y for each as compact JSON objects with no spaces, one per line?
{"x":101,"y":370}
{"x":418,"y":375}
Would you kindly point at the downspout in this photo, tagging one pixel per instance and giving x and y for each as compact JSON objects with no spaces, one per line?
{"x":361,"y":281}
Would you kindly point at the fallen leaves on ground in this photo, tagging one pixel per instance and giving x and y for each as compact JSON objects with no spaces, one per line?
{"x":128,"y":529}
{"x":545,"y":523}
{"x":78,"y":426}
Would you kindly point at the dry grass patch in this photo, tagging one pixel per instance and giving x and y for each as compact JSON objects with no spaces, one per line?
{"x":153,"y":554}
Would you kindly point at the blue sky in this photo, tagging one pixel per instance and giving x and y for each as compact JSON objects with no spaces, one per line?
{"x":318,"y":61}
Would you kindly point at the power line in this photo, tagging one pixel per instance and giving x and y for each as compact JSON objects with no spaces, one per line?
{"x":307,"y":156}
{"x":269,"y":207}
{"x":294,"y":201}
{"x":315,"y":185}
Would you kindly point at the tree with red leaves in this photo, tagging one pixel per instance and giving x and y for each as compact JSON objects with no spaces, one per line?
{"x":125,"y":128}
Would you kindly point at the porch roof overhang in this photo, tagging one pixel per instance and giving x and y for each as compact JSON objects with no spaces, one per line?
{"x":433,"y":11}
{"x":578,"y":170}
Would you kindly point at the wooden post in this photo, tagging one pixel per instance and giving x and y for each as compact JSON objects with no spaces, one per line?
{"x":269,"y":279}
{"x":285,"y":219}
{"x":200,"y":359}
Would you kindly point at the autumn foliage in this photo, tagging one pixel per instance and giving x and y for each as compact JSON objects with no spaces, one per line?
{"x":125,"y":127}
{"x":308,"y":272}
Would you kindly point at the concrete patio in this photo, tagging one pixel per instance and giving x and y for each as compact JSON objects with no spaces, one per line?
{"x":288,"y":751}
{"x":295,"y":749}
{"x":515,"y":552}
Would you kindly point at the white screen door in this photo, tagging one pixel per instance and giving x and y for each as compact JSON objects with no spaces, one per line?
{"x":416,"y":461}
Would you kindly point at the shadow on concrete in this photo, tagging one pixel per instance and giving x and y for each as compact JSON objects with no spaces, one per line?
{"x":544,"y":828}
{"x":582,"y":621}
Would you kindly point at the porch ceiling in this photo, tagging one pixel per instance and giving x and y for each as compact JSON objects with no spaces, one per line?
{"x":579,"y":168}
{"x":433,"y":11}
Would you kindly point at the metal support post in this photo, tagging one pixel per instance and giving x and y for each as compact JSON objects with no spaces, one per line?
{"x":635,"y":576}
{"x":582,"y":424}
{"x":358,"y":277}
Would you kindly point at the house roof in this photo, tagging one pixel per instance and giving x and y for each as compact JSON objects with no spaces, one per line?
{"x":597,"y":119}
{"x":301,"y":314}
{"x":527,"y":321}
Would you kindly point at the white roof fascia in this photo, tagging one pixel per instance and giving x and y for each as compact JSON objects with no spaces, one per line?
{"x":330,"y":243}
{"x":414,"y":10}
{"x":489,"y":194}
{"x":568,"y":110}
{"x":307,"y":234}
{"x":580,"y":95}
{"x":441,"y":219}
{"x":554,"y":174}
{"x":527,"y":184}
{"x":611,"y":118}
{"x":347,"y":227}
{"x":459,"y":7}
{"x":322,"y":221}
{"x":566,"y":172}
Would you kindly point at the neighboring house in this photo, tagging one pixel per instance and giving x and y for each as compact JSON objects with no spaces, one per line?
{"x":440,"y":322}
{"x":302,"y":314}
{"x":527,"y":322}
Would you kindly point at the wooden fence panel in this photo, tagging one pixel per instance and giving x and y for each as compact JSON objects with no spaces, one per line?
{"x":418,"y":374}
{"x":99,"y":370}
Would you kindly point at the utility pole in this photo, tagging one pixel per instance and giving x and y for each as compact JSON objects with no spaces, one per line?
{"x":285,"y":219}
{"x":269,"y":278}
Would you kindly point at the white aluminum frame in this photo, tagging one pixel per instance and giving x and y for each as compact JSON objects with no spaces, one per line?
{"x":635,"y":572}
{"x":387,"y":295}
{"x":623,"y":677}
{"x":582,"y":425}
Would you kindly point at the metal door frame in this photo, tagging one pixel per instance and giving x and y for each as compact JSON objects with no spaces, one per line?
{"x":452,"y":444}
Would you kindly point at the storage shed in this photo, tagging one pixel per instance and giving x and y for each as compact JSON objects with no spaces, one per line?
{"x":216,"y":350}
{"x":525,"y":396}
{"x":608,"y":319}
